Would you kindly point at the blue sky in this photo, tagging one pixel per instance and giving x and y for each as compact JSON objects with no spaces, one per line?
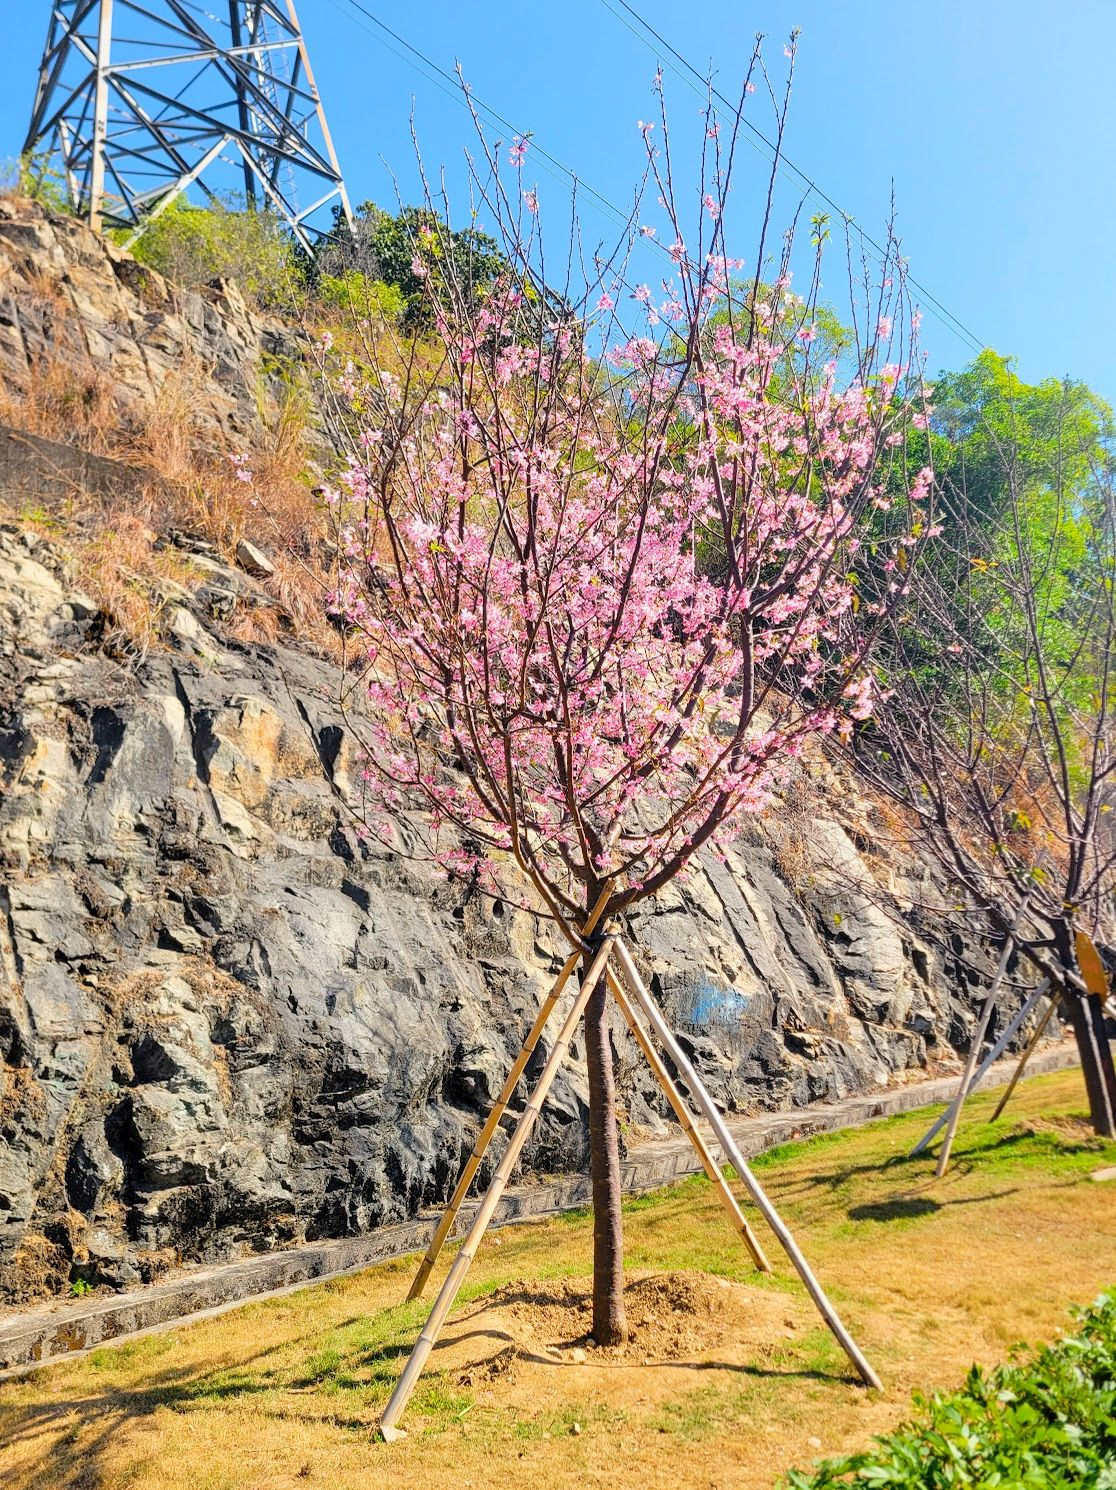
{"x":994,"y":119}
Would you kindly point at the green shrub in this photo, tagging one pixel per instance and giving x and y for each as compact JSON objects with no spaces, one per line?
{"x":1043,"y":1423}
{"x":37,"y":177}
{"x":385,"y":247}
{"x":195,"y":245}
{"x":370,"y":299}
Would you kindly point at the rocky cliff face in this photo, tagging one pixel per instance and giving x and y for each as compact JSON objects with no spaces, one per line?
{"x":226,"y":1022}
{"x":229,"y":1023}
{"x":71,"y":300}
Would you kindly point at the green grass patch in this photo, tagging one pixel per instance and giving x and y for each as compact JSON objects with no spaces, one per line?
{"x":571,"y":1420}
{"x":122,"y":1357}
{"x":699,"y":1414}
{"x":930,"y":1277}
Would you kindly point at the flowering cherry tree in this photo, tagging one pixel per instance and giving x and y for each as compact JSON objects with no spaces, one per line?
{"x":598,"y":557}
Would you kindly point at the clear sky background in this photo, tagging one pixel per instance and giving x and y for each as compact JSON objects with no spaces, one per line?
{"x":994,"y":119}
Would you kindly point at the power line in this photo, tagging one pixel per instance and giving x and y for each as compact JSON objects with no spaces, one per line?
{"x":414,"y":57}
{"x":420,"y":61}
{"x":940,"y":311}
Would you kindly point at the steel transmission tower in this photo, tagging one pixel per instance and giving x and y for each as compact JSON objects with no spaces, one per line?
{"x":139,"y":100}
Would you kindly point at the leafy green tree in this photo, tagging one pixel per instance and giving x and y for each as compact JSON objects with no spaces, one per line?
{"x":1021,"y":469}
{"x":990,"y":430}
{"x":1014,"y":464}
{"x":403,"y":249}
{"x":997,"y":729}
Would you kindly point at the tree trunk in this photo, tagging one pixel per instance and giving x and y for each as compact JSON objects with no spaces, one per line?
{"x":609,"y":1324}
{"x":1086,"y":1012}
{"x":1087,"y":1017}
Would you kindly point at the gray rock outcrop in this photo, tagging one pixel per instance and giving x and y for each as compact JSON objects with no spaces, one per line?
{"x":229,"y":1021}
{"x":75,"y":307}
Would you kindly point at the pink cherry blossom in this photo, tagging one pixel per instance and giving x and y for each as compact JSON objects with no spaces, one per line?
{"x":544,"y":621}
{"x":601,"y":595}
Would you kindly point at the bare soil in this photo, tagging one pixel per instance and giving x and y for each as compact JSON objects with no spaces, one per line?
{"x":672,"y":1318}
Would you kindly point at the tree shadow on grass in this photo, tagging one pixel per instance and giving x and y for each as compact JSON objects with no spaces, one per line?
{"x":915,"y":1205}
{"x":75,"y":1458}
{"x":901,"y":1208}
{"x":759,"y":1373}
{"x":980,"y":1150}
{"x":788,"y":1187}
{"x":70,"y":1438}
{"x":1014,"y":1150}
{"x":605,"y":1362}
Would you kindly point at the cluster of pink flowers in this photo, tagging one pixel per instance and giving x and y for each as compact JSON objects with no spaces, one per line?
{"x":600,"y":616}
{"x":606,"y":594}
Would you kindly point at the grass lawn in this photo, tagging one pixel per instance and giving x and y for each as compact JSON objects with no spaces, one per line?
{"x":730,"y":1379}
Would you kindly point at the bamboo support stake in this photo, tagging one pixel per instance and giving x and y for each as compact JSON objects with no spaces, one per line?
{"x":989,"y":1060}
{"x":975,"y":1048}
{"x":449,"y":1215}
{"x":682,"y":1113}
{"x":713,"y":1116}
{"x":1025,"y":1057}
{"x":456,"y":1275}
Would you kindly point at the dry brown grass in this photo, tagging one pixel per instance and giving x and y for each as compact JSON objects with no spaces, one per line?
{"x":882,"y":831}
{"x":193,"y":487}
{"x":790,"y":837}
{"x":895,"y":827}
{"x":194,"y":482}
{"x":1039,"y":835}
{"x":65,"y":400}
{"x":732,"y":1382}
{"x":113,"y":559}
{"x":134,"y":583}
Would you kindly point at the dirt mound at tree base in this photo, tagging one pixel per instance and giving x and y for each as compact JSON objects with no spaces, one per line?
{"x":1067,"y":1128}
{"x":675,"y":1317}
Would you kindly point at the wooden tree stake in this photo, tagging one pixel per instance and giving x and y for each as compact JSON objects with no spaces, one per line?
{"x":975,"y":1047}
{"x":445,"y":1225}
{"x":522,"y":1131}
{"x":682,"y":1113}
{"x":1025,"y":1057}
{"x":713,"y":1116}
{"x":989,"y":1060}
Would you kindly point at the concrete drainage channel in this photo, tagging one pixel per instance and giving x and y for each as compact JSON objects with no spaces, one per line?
{"x":66,"y":1329}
